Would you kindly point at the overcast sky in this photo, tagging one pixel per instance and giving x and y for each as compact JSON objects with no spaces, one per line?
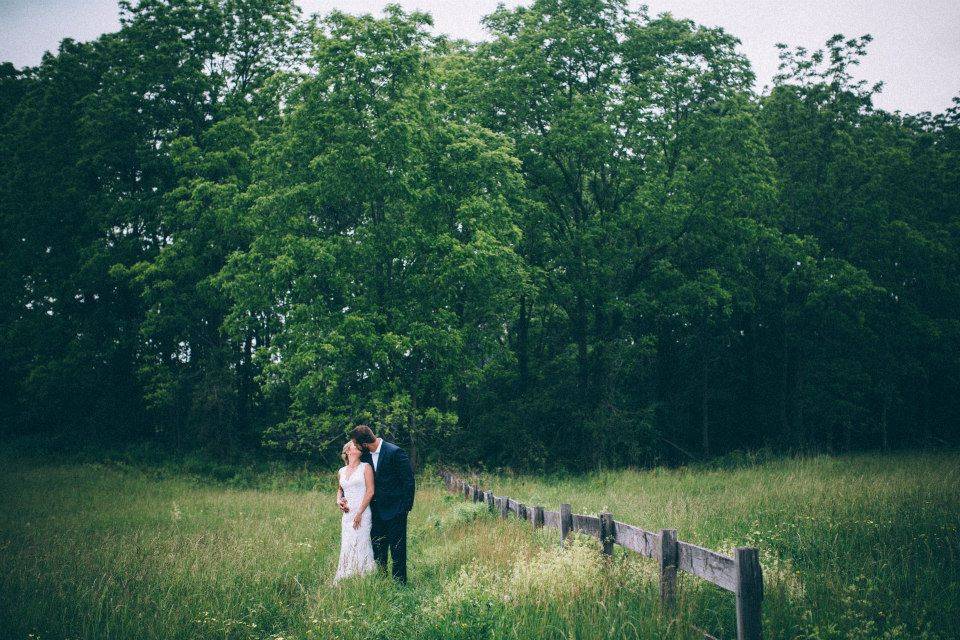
{"x":916,"y":51}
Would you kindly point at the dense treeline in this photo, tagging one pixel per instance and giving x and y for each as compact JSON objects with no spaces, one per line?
{"x":588,"y":240}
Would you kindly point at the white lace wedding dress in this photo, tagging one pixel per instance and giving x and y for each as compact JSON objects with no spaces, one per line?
{"x":356,"y":551}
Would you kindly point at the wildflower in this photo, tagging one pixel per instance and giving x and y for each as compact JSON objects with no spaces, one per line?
{"x":555,"y":574}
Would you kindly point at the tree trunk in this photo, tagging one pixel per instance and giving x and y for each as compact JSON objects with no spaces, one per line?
{"x":580,"y":331}
{"x":922,"y":417}
{"x":884,"y":410}
{"x":244,"y":387}
{"x":705,"y":407}
{"x":662,"y":381}
{"x":523,"y":329}
{"x":788,"y":436}
{"x":799,"y":427}
{"x":412,"y":430}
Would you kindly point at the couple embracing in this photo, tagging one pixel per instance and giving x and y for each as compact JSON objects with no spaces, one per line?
{"x":375,"y":492}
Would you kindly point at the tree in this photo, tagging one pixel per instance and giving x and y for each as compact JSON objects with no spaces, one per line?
{"x":587,"y":241}
{"x":863,"y":183}
{"x":384,"y":241}
{"x":634,"y":133}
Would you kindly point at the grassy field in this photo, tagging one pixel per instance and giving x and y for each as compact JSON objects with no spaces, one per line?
{"x":857,"y":547}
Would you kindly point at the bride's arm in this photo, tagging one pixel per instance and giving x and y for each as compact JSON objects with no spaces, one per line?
{"x":341,"y":501}
{"x":368,"y":494}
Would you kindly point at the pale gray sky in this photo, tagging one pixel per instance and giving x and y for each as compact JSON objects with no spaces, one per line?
{"x":916,"y":50}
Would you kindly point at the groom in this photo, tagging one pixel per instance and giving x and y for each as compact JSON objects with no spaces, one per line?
{"x":392,"y":498}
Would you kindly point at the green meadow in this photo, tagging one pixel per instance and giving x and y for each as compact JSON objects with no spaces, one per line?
{"x":851,"y":547}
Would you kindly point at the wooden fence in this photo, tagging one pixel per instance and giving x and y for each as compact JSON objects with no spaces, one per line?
{"x":740,"y":574}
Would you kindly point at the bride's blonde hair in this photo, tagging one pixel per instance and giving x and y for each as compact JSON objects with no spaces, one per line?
{"x":343,"y":452}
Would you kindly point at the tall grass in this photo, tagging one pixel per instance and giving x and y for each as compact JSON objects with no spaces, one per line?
{"x":851,"y":547}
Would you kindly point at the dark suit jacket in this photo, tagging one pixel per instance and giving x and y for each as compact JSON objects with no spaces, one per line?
{"x":394,"y":485}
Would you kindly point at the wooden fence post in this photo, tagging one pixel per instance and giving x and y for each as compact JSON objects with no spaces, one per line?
{"x":521,"y":511}
{"x":749,"y":593}
{"x":606,"y":533}
{"x":489,"y":498}
{"x":668,"y":567}
{"x":504,"y":507}
{"x":566,"y":522}
{"x":537,"y":517}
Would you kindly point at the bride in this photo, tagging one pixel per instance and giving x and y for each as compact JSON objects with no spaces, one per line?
{"x":355,"y":485}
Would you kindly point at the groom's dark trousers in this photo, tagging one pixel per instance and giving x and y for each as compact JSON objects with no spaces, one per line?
{"x":391,"y":534}
{"x":393,"y":493}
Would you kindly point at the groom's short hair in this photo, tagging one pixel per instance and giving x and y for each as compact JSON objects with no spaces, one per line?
{"x":362,"y":434}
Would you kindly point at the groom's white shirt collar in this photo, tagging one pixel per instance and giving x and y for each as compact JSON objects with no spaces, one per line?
{"x":375,"y":455}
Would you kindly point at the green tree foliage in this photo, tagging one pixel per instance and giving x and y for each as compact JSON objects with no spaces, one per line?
{"x":229,"y":59}
{"x":585,"y":241}
{"x":67,"y":326}
{"x":384,"y":262}
{"x":89,"y":185}
{"x":641,"y":144}
{"x":879,"y":193}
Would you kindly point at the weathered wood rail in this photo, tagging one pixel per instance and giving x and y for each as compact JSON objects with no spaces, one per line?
{"x":741,"y":574}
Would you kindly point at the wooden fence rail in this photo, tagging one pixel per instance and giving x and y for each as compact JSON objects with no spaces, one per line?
{"x":741,"y":574}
